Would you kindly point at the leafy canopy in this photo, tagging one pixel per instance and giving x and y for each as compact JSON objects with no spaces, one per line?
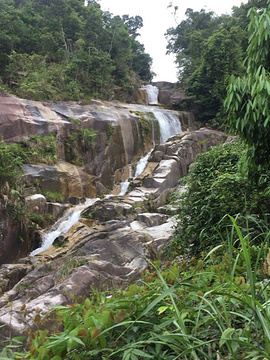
{"x":209,"y":49}
{"x":248,"y":98}
{"x":63,"y":50}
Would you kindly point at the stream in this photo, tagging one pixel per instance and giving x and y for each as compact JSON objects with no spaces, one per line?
{"x":169,"y":125}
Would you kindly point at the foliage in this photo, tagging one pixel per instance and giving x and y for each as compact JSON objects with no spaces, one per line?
{"x":217,"y":184}
{"x":247,"y":99}
{"x":37,"y":148}
{"x":9,"y":165}
{"x":206,"y":308}
{"x":36,"y":220}
{"x":78,"y":143}
{"x":64,"y":50}
{"x":52,"y":195}
{"x":209,"y":49}
{"x":148,"y":125}
{"x":222,"y":55}
{"x":187,"y":39}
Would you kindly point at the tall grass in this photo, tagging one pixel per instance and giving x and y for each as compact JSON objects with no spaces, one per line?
{"x":214,"y":307}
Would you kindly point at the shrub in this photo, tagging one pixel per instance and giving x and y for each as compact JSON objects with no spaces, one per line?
{"x":78,"y":143}
{"x":216,"y":186}
{"x":36,"y":149}
{"x":9,"y":165}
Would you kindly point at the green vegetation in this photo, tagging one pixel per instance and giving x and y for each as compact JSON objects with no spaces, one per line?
{"x":62,"y":50}
{"x":248,"y":101}
{"x":211,"y":307}
{"x":209,"y":49}
{"x":10,"y":165}
{"x":78,"y":143}
{"x":37,"y":149}
{"x":211,"y":299}
{"x":149,"y":125}
{"x":217,"y":184}
{"x":146,"y":123}
{"x":52,"y":196}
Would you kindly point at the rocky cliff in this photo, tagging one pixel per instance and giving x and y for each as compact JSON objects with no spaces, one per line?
{"x":115,"y":236}
{"x":108,"y":246}
{"x":120,"y":134}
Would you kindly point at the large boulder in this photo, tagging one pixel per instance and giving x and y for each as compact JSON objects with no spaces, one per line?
{"x":67,"y":179}
{"x":170,"y":94}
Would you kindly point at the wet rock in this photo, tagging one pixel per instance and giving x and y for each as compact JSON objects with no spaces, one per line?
{"x":36,"y":203}
{"x":67,"y":179}
{"x":152,"y":219}
{"x":108,"y":210}
{"x":56,"y":209}
{"x":11,"y":274}
{"x":10,"y":245}
{"x":170,"y":94}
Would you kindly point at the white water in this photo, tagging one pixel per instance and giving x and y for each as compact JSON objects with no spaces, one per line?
{"x":169,"y":124}
{"x":152,"y":93}
{"x":63,"y":225}
{"x":141,"y":164}
{"x":125,"y":184}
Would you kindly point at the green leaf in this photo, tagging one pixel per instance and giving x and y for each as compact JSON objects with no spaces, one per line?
{"x":142,"y":354}
{"x":162,"y":309}
{"x":226,"y":335}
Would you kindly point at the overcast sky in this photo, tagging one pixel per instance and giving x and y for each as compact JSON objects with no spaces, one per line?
{"x":157,"y":18}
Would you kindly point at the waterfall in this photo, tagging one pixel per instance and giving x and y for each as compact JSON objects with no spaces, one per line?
{"x":62,"y":225}
{"x":125,"y":184}
{"x":141,"y":164}
{"x":152,"y":93}
{"x":169,"y":124}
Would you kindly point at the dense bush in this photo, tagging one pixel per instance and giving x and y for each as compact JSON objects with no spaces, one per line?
{"x":217,"y":184}
{"x":9,"y":165}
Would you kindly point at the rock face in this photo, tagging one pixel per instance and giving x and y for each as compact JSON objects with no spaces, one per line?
{"x":124,"y":133}
{"x":121,"y":139}
{"x":170,"y":94}
{"x":109,"y":245}
{"x":67,"y":179}
{"x":9,"y":233}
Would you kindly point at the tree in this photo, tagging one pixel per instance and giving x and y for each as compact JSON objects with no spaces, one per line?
{"x":248,"y":97}
{"x":70,"y":50}
{"x":221,"y":57}
{"x":186,"y":41}
{"x":133,"y":23}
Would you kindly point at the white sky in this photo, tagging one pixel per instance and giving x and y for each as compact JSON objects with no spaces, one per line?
{"x":157,"y":18}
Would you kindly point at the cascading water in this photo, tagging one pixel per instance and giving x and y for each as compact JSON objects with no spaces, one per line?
{"x":63,"y":225}
{"x":152,"y":93}
{"x":141,"y":164}
{"x":169,"y":124}
{"x":125,"y":184}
